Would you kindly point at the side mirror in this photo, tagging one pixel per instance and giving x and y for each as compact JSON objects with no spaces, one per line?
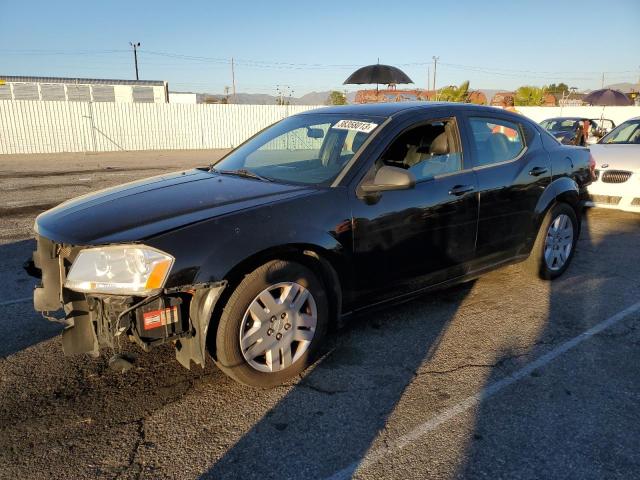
{"x":390,"y":178}
{"x":315,"y":133}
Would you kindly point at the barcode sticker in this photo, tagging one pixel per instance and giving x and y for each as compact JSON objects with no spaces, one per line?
{"x":356,"y":125}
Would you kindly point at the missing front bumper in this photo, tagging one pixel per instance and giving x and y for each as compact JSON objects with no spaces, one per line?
{"x":179,"y":315}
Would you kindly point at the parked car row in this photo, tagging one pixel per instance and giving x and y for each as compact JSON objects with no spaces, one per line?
{"x":617,"y":155}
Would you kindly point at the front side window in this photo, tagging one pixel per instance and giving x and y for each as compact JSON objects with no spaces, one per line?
{"x":496,"y":140}
{"x":427,"y":151}
{"x":308,"y":149}
{"x":627,"y":132}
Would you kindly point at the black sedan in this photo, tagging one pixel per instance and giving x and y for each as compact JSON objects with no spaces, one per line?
{"x":321,"y":215}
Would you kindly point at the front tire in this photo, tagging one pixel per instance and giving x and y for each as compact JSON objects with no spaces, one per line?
{"x":555,"y":244}
{"x":272,"y":325}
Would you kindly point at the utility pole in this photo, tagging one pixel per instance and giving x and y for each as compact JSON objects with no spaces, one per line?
{"x":233,"y":80}
{"x":435,"y":67}
{"x":135,"y":56}
{"x":602,"y":80}
{"x":428,"y":78}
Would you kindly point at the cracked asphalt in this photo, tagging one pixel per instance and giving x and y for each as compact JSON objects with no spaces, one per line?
{"x":384,"y":376}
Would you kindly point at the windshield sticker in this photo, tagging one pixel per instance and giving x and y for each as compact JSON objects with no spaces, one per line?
{"x":356,"y":125}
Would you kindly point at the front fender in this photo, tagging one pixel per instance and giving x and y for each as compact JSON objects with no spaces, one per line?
{"x":206,"y":252}
{"x":234,"y":252}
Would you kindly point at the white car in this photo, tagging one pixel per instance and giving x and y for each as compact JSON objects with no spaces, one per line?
{"x":617,"y":156}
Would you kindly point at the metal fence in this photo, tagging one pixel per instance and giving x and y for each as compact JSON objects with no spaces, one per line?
{"x":50,"y":127}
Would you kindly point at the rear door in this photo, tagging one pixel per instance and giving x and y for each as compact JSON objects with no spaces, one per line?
{"x":513,"y":169}
{"x":405,"y":240}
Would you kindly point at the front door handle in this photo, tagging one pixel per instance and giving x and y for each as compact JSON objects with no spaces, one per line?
{"x":461,"y":190}
{"x":537,"y":171}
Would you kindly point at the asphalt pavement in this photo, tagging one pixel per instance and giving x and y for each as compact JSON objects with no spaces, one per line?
{"x":504,"y":377}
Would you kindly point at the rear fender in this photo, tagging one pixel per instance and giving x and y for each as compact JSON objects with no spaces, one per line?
{"x":563,"y":189}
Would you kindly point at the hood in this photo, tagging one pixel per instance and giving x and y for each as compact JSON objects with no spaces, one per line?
{"x":145,"y":208}
{"x":562,"y":132}
{"x":567,"y":135}
{"x":617,"y":157}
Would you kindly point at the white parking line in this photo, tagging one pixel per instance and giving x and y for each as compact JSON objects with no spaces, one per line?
{"x":483,"y":394}
{"x":17,"y":300}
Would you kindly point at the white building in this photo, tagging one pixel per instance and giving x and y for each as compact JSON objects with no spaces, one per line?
{"x":83,"y":89}
{"x":186,"y":97}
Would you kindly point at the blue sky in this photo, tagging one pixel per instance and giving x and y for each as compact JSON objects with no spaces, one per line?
{"x":316,"y":45}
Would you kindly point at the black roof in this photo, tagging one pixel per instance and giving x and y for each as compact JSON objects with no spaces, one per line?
{"x":84,"y":81}
{"x":392,"y":108}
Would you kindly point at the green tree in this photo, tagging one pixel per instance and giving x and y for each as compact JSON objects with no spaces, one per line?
{"x":558,"y":89}
{"x":455,"y":94}
{"x":336,"y":98}
{"x":529,"y":96}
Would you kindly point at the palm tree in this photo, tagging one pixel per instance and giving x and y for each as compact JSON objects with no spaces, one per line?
{"x":529,"y":96}
{"x":455,"y":94}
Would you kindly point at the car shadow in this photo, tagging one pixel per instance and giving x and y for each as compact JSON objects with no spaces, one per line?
{"x":20,"y":325}
{"x":577,"y":418}
{"x":332,"y":416}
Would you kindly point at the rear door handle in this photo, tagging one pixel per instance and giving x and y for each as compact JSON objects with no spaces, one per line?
{"x":537,"y":171}
{"x":461,"y":190}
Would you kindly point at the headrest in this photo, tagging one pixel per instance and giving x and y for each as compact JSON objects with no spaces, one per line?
{"x":440,"y":145}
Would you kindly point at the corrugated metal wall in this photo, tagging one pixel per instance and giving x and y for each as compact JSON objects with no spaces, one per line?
{"x":50,"y":127}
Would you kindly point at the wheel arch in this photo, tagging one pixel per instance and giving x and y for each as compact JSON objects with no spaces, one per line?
{"x":327,"y":266}
{"x":561,"y":190}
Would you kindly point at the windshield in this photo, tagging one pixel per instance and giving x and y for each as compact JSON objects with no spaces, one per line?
{"x":309,"y":149}
{"x":559,"y":125}
{"x":627,"y":132}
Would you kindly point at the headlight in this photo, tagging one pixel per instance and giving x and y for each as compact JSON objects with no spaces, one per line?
{"x":119,"y":270}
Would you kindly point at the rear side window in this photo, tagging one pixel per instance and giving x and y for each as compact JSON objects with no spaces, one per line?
{"x":496,"y":140}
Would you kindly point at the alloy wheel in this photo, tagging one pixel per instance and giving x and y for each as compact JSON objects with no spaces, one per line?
{"x":278,"y":327}
{"x":559,"y":242}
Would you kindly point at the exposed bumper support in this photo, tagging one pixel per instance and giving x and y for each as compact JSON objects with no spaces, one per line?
{"x":94,"y":321}
{"x":193,"y":348}
{"x":46,"y":298}
{"x":81,"y":336}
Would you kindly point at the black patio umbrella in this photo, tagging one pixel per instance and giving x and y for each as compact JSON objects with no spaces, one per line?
{"x":607,"y":97}
{"x":377,"y":73}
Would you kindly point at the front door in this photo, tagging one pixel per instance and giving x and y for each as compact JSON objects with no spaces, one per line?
{"x":405,"y":240}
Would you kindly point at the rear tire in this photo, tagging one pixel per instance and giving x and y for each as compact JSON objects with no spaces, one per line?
{"x":272,"y":325}
{"x":555,"y":244}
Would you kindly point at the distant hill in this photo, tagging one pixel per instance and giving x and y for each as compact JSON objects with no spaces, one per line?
{"x":625,"y":87}
{"x":312,"y":98}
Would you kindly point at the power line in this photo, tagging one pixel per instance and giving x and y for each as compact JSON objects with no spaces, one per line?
{"x":278,"y":64}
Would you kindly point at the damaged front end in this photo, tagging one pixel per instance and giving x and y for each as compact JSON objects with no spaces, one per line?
{"x":93,"y":320}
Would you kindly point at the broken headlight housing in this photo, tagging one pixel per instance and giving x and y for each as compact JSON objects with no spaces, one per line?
{"x":119,"y":270}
